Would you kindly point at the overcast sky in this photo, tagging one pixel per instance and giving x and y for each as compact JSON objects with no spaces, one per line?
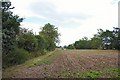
{"x":75,"y":19}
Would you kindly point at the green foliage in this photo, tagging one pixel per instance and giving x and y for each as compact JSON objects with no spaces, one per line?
{"x":8,"y":41}
{"x":110,"y":39}
{"x":116,"y":38}
{"x":10,"y":28}
{"x":83,"y":43}
{"x":51,"y":36}
{"x":15,"y":57}
{"x":20,"y":56}
{"x":71,"y":46}
{"x":17,"y":41}
{"x":96,"y":42}
{"x":102,"y":40}
{"x":91,"y":74}
{"x":41,"y":44}
{"x":27,"y":40}
{"x":103,"y":73}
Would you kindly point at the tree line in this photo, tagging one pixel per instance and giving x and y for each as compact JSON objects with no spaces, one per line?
{"x":102,"y":40}
{"x":20,"y":44}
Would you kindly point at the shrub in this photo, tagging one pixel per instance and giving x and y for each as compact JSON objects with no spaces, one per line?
{"x":16,"y":57}
{"x":20,"y":55}
{"x":27,"y":40}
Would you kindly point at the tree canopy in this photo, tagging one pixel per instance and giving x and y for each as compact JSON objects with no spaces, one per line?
{"x":102,"y":40}
{"x":50,"y":34}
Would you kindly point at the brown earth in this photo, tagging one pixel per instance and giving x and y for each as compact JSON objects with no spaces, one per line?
{"x":71,"y":62}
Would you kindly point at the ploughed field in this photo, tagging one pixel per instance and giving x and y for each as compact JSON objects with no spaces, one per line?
{"x":68,"y":64}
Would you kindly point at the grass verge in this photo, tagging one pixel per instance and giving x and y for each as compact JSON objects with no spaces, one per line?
{"x":44,"y":59}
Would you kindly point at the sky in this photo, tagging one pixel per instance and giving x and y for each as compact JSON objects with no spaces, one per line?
{"x":75,"y":19}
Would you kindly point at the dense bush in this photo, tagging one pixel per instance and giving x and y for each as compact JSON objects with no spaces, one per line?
{"x":41,"y":44}
{"x":27,"y":40}
{"x":16,"y":57}
{"x":71,"y":46}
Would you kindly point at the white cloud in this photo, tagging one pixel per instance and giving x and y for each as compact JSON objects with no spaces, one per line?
{"x":21,"y":8}
{"x":31,"y":26}
{"x":74,"y":18}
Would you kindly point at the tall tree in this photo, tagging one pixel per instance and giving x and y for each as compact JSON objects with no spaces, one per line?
{"x":10,"y":27}
{"x":10,"y":30}
{"x":50,"y":34}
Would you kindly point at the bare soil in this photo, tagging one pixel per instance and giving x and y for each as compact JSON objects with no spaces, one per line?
{"x":71,"y":63}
